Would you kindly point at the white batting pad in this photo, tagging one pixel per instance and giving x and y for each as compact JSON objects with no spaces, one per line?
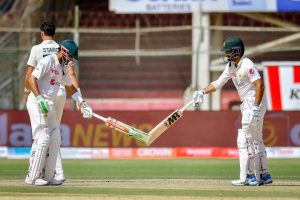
{"x":243,"y":154}
{"x":52,"y":155}
{"x":39,"y":159}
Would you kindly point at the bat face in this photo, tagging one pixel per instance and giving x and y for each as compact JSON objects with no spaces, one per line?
{"x":164,"y":125}
{"x":128,"y":130}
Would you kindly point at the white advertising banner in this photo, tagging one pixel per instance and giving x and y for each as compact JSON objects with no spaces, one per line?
{"x":282,"y":82}
{"x":190,"y":6}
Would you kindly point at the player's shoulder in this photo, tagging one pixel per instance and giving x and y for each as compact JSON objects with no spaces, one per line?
{"x":47,"y":59}
{"x":247,"y":63}
{"x":34,"y":47}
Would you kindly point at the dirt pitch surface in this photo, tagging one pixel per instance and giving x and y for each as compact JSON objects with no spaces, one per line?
{"x":146,"y":189}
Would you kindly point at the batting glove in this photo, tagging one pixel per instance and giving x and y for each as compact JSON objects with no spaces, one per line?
{"x":255,"y":114}
{"x":42,"y":104}
{"x":198,"y":97}
{"x":86,"y":110}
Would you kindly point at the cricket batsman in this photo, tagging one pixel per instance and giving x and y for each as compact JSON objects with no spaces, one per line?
{"x":45,"y":82}
{"x":250,"y":87}
{"x":47,"y":47}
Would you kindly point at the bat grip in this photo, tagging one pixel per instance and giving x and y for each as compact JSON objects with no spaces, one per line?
{"x":186,"y":106}
{"x":99,"y":117}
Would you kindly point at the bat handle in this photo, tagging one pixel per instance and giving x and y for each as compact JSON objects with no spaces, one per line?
{"x":186,"y":106}
{"x":99,"y":117}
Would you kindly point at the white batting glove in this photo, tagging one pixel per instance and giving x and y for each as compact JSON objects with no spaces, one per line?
{"x":255,"y":114}
{"x":42,"y":104}
{"x":198,"y":97}
{"x":86,"y":110}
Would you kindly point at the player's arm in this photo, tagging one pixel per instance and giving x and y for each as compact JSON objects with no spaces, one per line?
{"x":71,"y":90}
{"x":27,"y":76}
{"x":27,"y":88}
{"x":209,"y":89}
{"x":31,"y":63}
{"x":73,"y":77}
{"x":74,"y":81}
{"x":34,"y":85}
{"x":213,"y":86}
{"x":86,"y":110}
{"x":38,"y":72}
{"x":39,"y":98}
{"x":259,"y":88}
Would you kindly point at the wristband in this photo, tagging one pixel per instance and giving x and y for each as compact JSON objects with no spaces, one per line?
{"x":79,"y":91}
{"x":77,"y":97}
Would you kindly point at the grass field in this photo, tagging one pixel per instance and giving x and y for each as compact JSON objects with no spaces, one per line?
{"x":151,"y":179}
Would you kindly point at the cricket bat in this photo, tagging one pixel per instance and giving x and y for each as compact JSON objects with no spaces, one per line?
{"x":167,"y":123}
{"x":124,"y":128}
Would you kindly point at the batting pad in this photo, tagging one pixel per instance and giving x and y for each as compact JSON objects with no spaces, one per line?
{"x":39,"y":159}
{"x":51,"y":159}
{"x":243,"y":154}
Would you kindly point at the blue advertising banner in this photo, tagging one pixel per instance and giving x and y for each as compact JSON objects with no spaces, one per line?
{"x":288,"y":5}
{"x":247,"y":5}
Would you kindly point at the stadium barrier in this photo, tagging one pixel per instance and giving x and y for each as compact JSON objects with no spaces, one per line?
{"x":195,"y":129}
{"x":150,"y":153}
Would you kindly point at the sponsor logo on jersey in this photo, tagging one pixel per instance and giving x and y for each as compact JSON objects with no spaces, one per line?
{"x":52,"y":82}
{"x":54,"y":71}
{"x":251,"y":71}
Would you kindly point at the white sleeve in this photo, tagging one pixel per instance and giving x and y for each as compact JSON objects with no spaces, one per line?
{"x":32,"y":61}
{"x":225,"y":76}
{"x":41,"y":69}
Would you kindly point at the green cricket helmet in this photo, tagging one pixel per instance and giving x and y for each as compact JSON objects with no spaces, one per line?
{"x":70,"y":48}
{"x":235,"y":46}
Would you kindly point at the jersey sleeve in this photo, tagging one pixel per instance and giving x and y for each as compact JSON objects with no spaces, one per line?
{"x":252,"y":71}
{"x":225,"y":76}
{"x":32,"y":61}
{"x":41,"y":69}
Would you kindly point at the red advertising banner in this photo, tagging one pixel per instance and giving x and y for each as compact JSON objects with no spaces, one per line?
{"x":195,"y":129}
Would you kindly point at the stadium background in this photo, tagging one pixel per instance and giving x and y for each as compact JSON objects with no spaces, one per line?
{"x":138,"y":68}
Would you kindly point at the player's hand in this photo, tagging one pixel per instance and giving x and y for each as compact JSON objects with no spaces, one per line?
{"x":198,"y":98}
{"x":255,"y":114}
{"x":86,"y":110}
{"x":42,"y":104}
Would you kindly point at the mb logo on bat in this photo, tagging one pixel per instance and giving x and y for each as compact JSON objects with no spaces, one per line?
{"x":173,"y":118}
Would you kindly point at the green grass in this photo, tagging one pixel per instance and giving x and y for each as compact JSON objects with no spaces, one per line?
{"x":114,"y":178}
